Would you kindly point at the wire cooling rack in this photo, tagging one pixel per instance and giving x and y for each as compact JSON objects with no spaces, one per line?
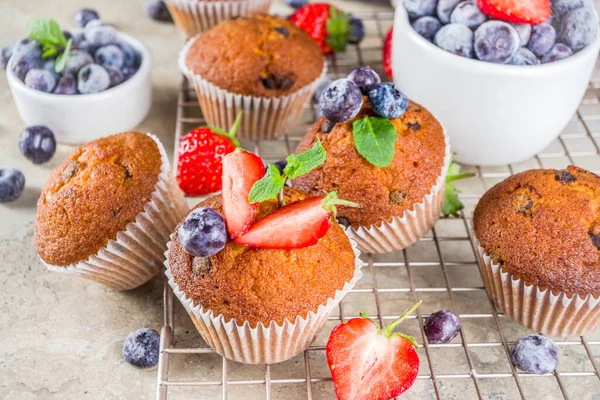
{"x":441,"y":269}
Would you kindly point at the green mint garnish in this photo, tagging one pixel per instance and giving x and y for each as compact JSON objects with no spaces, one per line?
{"x":47,"y":33}
{"x":338,"y":29}
{"x":452,"y":204}
{"x":332,"y":200}
{"x":375,"y":140}
{"x":268,"y":187}
{"x":61,"y":60}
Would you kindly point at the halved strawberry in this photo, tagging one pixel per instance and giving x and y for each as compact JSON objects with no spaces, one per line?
{"x":369,"y":363}
{"x":530,"y":12}
{"x":241,"y":170}
{"x":387,"y":52}
{"x":296,"y":225}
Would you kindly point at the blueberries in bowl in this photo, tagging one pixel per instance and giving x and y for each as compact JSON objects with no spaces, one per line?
{"x":84,"y":16}
{"x":496,"y":41}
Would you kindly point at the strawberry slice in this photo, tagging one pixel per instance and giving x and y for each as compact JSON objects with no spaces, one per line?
{"x":296,"y":225}
{"x":369,"y":363}
{"x":241,"y":170}
{"x":387,"y":52}
{"x":530,"y":12}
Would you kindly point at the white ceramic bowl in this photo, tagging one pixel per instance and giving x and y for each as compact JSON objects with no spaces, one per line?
{"x":85,"y":117}
{"x":494,"y":114}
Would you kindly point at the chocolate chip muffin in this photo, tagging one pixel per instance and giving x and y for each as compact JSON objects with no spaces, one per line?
{"x":263,"y":285}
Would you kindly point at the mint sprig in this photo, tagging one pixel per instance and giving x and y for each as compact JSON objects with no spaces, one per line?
{"x":332,"y":200}
{"x":375,"y":140}
{"x":452,"y":204}
{"x":47,"y":33}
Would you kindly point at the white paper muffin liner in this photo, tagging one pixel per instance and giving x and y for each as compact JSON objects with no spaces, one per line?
{"x":137,"y":253}
{"x":541,"y":310}
{"x":402,"y":231}
{"x":264,"y":344}
{"x":263,"y":118}
{"x":193,"y":16}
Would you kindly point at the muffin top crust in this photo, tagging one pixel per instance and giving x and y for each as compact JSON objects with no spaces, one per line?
{"x":258,"y":55}
{"x":543,"y":226}
{"x":93,"y":195}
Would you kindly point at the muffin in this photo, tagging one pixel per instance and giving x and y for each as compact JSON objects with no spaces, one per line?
{"x":401,"y":202}
{"x":258,"y":305}
{"x":106,"y":212}
{"x":538,"y":235}
{"x":261,"y":65}
{"x":196,"y":16}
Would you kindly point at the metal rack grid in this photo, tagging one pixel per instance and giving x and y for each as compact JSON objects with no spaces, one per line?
{"x":440,"y":269}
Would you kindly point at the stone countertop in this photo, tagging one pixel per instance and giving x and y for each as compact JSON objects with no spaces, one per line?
{"x":62,"y":336}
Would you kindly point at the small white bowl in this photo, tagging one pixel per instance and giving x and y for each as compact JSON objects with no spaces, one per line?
{"x":494,"y":114}
{"x":84,"y":117}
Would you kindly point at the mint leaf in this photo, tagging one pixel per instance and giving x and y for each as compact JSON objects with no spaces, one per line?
{"x":268,"y":187}
{"x":375,"y":140}
{"x":303,"y":163}
{"x":61,"y":61}
{"x":46,"y":32}
{"x":452,"y":204}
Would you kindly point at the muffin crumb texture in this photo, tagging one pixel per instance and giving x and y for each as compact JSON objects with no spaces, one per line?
{"x":264,"y":285}
{"x":543,"y":226}
{"x":93,"y":195}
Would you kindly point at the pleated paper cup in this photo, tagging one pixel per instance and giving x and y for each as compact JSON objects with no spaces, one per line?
{"x":137,"y":253}
{"x":263,"y":118}
{"x":193,"y":17}
{"x":541,"y":310}
{"x":402,"y":231}
{"x":266,"y":343}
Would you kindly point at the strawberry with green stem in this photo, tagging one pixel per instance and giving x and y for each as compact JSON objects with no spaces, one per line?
{"x":452,"y":204}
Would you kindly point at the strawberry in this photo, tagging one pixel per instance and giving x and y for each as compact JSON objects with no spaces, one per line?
{"x":296,"y":225}
{"x":241,"y":170}
{"x":200,"y":155}
{"x":387,"y":52}
{"x":369,"y":363}
{"x":327,"y":25}
{"x":530,"y":12}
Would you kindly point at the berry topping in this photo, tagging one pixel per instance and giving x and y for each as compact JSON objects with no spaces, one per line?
{"x":524,"y":57}
{"x":40,"y":79}
{"x":241,"y":170}
{"x":534,"y":354}
{"x":519,"y":11}
{"x":468,"y":13}
{"x":387,"y":101}
{"x":296,"y":3}
{"x":84,"y":16}
{"x":203,"y":232}
{"x":341,"y":101}
{"x":427,"y":27}
{"x":365,"y":78}
{"x":557,"y":52}
{"x":92,"y":79}
{"x":419,"y":8}
{"x":12,"y":183}
{"x":110,"y":56}
{"x":67,"y":84}
{"x":496,"y":41}
{"x":357,"y":31}
{"x":579,"y":28}
{"x":37,"y":144}
{"x":441,"y":327}
{"x":328,"y":26}
{"x":542,"y":39}
{"x":524,"y":32}
{"x":368,"y":362}
{"x":445,"y":8}
{"x":142,"y":347}
{"x":157,"y":10}
{"x":387,"y":52}
{"x":455,"y":38}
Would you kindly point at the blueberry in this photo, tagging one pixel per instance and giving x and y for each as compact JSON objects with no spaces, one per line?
{"x":357,"y":31}
{"x":534,"y":354}
{"x":49,"y":65}
{"x":496,"y":42}
{"x":203,"y":232}
{"x":441,"y":327}
{"x":468,"y":13}
{"x":560,"y":8}
{"x":157,"y":10}
{"x":99,"y":35}
{"x":142,"y":347}
{"x":40,"y":79}
{"x":557,"y":52}
{"x":78,"y":38}
{"x":327,"y":126}
{"x":37,"y":144}
{"x":320,"y":88}
{"x":455,"y":38}
{"x":110,"y":56}
{"x":84,"y":16}
{"x":296,"y":3}
{"x":542,"y":39}
{"x":130,"y":57}
{"x":92,"y":79}
{"x":387,"y":101}
{"x":341,"y":101}
{"x":445,"y":8}
{"x":87,"y":47}
{"x":524,"y":32}
{"x":579,"y":28}
{"x":26,"y":55}
{"x":128,"y":72}
{"x":76,"y":60}
{"x":419,"y":8}
{"x":5,"y":54}
{"x":524,"y":57}
{"x":12,"y":182}
{"x":280,"y":165}
{"x":67,"y":84}
{"x":365,"y":78}
{"x":67,"y":35}
{"x":427,"y":27}
{"x":115,"y":75}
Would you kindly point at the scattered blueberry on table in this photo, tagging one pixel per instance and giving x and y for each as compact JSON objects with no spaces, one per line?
{"x":12,"y":183}
{"x":84,"y":16}
{"x":37,"y":144}
{"x":441,"y":327}
{"x":534,"y":354}
{"x":157,"y":10}
{"x":142,"y":348}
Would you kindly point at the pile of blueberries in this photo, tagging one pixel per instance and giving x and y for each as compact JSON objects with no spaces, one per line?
{"x":97,"y":61}
{"x":460,"y":27}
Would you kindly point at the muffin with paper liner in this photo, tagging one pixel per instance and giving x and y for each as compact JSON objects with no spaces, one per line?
{"x":259,"y":270}
{"x":538,"y":235}
{"x":261,"y":65}
{"x":106,"y":213}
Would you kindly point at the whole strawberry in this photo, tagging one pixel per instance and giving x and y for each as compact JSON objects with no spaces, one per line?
{"x":200,"y":156}
{"x":327,"y":25}
{"x":387,"y":52}
{"x":370,"y":363}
